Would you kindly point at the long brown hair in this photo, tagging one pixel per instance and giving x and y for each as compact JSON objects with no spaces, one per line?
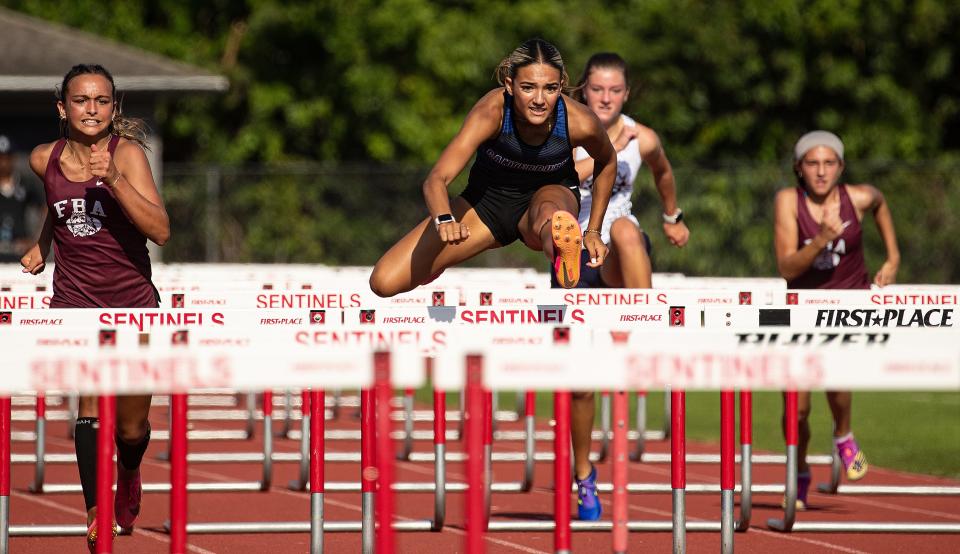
{"x":130,"y":128}
{"x":601,"y":60}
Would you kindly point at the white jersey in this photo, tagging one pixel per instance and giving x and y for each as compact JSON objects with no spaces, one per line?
{"x":628,"y":165}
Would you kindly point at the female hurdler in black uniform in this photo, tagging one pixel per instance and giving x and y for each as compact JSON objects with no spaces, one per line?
{"x":523,"y":183}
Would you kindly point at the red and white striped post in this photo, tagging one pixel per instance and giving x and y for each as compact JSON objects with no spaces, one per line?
{"x":4,"y":474}
{"x":792,"y":433}
{"x":41,"y":443}
{"x":386,"y":540}
{"x":727,"y":469}
{"x":678,"y":468}
{"x":619,"y":454}
{"x":746,"y":463}
{"x":561,"y":473}
{"x":105,"y":476}
{"x":474,"y":433}
{"x":178,"y":473}
{"x":316,"y":405}
{"x":439,"y":458}
{"x":267,"y":478}
{"x":529,"y":441}
{"x":487,"y":455}
{"x":368,"y":469}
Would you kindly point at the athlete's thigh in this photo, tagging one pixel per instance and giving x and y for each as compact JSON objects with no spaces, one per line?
{"x":611,"y":271}
{"x":421,"y":254}
{"x":133,"y":407}
{"x":549,"y":195}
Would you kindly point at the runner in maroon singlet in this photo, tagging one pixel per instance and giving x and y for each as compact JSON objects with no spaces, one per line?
{"x":102,"y":207}
{"x":819,"y":244}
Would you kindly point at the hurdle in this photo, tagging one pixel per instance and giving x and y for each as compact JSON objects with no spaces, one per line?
{"x":559,"y":434}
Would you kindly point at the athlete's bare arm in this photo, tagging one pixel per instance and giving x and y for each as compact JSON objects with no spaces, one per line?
{"x":652,"y":154}
{"x":481,"y":124}
{"x":792,"y":261}
{"x":867,"y":198}
{"x":587,"y":131}
{"x":128,"y":173}
{"x":33,"y":259}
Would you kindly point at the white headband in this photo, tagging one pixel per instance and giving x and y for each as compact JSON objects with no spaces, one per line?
{"x":813,"y":139}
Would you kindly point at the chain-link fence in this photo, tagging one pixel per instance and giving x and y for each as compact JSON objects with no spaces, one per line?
{"x":349,"y":215}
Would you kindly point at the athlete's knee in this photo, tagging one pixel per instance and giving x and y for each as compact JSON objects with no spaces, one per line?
{"x":132,"y":432}
{"x":582,"y":395}
{"x":626,"y":235}
{"x":381,"y":284}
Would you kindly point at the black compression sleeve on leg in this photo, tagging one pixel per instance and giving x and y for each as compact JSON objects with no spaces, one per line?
{"x":85,"y":444}
{"x":130,"y":455}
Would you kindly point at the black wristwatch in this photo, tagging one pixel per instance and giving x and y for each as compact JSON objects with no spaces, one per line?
{"x":443,"y":218}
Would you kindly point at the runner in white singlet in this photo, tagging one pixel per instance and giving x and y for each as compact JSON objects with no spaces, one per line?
{"x":604,"y":89}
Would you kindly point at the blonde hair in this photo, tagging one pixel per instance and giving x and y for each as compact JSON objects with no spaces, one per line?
{"x":535,"y":50}
{"x":130,"y":128}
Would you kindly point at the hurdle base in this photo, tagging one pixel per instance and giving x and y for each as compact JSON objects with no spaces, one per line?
{"x":576,"y":525}
{"x":866,"y":527}
{"x":54,"y":530}
{"x":229,"y":528}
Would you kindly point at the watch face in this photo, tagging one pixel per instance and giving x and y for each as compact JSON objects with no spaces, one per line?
{"x":445,"y":218}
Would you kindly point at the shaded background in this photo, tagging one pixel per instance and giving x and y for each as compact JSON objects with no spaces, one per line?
{"x":337,"y":109}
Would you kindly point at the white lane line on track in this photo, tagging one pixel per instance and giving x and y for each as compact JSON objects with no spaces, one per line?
{"x":899,"y":508}
{"x":823,"y":544}
{"x":80,"y":514}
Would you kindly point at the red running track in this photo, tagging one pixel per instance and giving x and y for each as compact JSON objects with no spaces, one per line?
{"x":279,"y":504}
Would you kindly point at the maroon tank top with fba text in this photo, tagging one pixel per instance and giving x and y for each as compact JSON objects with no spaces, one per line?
{"x":101,"y":258}
{"x":840,"y":265}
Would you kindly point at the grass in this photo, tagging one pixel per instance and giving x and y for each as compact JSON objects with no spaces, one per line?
{"x":911,"y":431}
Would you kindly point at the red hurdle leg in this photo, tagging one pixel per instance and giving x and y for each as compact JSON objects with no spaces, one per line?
{"x":385,"y":535}
{"x":619,"y":453}
{"x":561,"y":473}
{"x":105,"y":477}
{"x":267,"y":477}
{"x":40,"y":444}
{"x":529,"y":441}
{"x":487,"y":455}
{"x":439,"y":458}
{"x":746,"y":462}
{"x":727,"y":469}
{"x":300,"y":483}
{"x":407,"y":448}
{"x":4,"y":472}
{"x":474,"y":435}
{"x":317,"y":425}
{"x":641,"y":444}
{"x":178,"y":473}
{"x":678,"y":468}
{"x":792,"y":432}
{"x":368,"y":468}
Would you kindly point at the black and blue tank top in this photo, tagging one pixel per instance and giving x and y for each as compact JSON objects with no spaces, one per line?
{"x":506,"y":161}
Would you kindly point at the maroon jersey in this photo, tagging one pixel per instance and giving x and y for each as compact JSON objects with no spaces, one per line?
{"x":101,"y":258}
{"x":840,"y":265}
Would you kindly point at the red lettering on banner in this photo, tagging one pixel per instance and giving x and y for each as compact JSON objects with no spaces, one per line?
{"x":308,"y":300}
{"x":513,"y":316}
{"x":23,"y":302}
{"x":146,"y":320}
{"x":914,"y":299}
{"x":614,"y":299}
{"x":374,"y":339}
{"x":172,"y":373}
{"x":755,"y":370}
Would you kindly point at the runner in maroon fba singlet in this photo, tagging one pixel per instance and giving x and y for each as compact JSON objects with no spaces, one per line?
{"x":102,"y":206}
{"x":819,"y":245}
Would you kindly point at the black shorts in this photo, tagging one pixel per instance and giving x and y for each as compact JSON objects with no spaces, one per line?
{"x":590,"y":277}
{"x":501,"y":208}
